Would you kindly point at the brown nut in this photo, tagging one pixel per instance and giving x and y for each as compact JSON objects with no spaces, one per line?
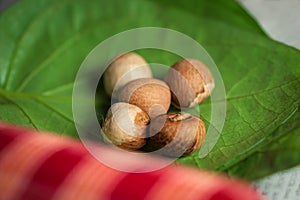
{"x":151,"y":95}
{"x":175,"y":134}
{"x":123,"y":69}
{"x":190,"y":82}
{"x":125,"y":126}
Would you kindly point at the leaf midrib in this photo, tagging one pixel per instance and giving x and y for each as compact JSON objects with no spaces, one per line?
{"x":4,"y":92}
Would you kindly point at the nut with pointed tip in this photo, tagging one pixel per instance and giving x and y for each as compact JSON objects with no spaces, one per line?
{"x":151,"y":95}
{"x":175,"y":134}
{"x":125,"y":126}
{"x":123,"y":69}
{"x":190,"y":81}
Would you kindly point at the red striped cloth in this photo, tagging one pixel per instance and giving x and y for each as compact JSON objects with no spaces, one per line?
{"x":48,"y":166}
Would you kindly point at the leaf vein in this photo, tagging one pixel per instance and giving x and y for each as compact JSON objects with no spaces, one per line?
{"x":18,"y":42}
{"x":22,"y":110}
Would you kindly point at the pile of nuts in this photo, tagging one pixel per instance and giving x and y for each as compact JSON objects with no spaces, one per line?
{"x":140,"y":119}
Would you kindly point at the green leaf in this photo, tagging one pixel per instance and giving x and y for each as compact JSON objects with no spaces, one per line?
{"x":276,"y":155}
{"x":43,"y":43}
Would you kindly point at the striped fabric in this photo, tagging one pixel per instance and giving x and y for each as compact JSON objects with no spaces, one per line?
{"x":48,"y":166}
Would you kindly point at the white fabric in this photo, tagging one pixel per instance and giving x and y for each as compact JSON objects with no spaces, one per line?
{"x":279,"y":18}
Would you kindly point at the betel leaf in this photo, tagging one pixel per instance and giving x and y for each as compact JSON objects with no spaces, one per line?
{"x":43,"y":43}
{"x":276,"y":155}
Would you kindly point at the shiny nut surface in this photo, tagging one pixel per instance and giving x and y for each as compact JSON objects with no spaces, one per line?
{"x":125,"y":126}
{"x":123,"y":69}
{"x":190,"y":81}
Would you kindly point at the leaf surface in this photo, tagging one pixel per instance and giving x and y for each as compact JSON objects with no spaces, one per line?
{"x":43,"y":43}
